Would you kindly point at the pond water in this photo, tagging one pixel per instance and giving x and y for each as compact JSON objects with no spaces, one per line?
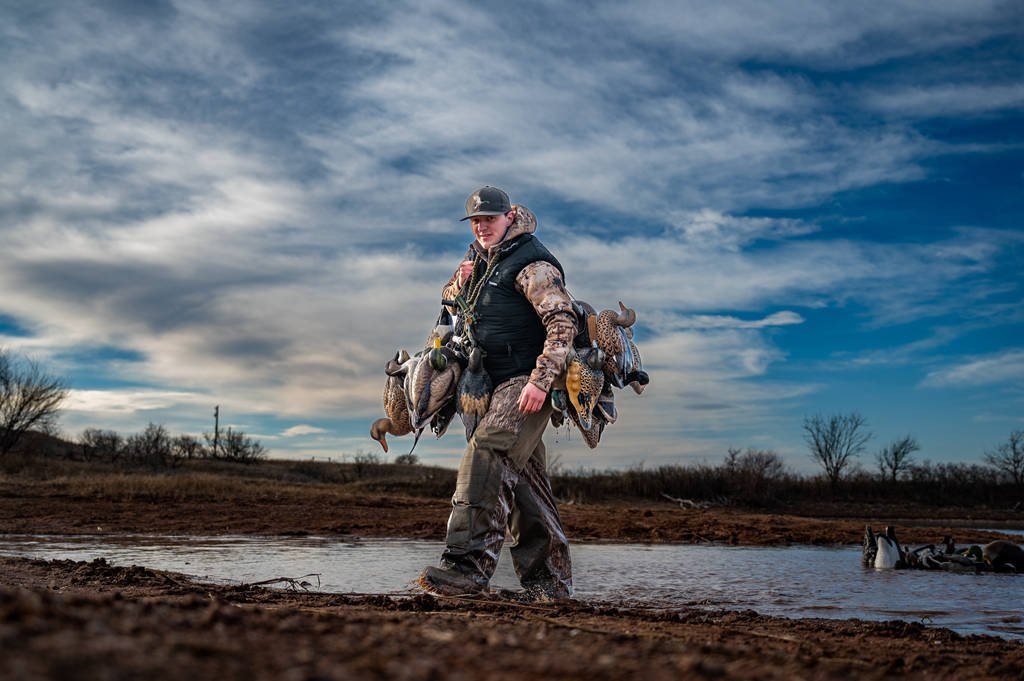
{"x":795,"y":581}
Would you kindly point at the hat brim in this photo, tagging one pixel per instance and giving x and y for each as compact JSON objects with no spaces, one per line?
{"x":481,"y":213}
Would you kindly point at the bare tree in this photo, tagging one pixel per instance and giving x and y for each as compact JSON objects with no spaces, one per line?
{"x":753,"y":474}
{"x":897,"y":457}
{"x":29,"y":399}
{"x":151,"y":447}
{"x":835,"y":442}
{"x":101,"y":445}
{"x":187,"y":447}
{"x":1008,"y":458}
{"x":237,"y":446}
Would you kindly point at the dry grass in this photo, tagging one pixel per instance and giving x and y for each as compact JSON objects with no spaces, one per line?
{"x":203,"y":480}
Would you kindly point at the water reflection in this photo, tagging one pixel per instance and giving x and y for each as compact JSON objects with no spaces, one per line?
{"x":796,"y":581}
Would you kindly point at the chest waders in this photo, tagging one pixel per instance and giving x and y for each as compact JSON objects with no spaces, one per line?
{"x":502,"y":480}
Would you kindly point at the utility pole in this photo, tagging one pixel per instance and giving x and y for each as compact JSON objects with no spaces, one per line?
{"x":216,"y":429}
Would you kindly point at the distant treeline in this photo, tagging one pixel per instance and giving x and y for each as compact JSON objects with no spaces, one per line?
{"x":155,"y":447}
{"x":737,"y":484}
{"x":749,"y":478}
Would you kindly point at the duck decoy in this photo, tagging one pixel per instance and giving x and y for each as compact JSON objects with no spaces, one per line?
{"x":473,"y":394}
{"x":889,"y":555}
{"x":396,"y":407}
{"x":1003,"y":556}
{"x":430,"y":385}
{"x":583,"y":387}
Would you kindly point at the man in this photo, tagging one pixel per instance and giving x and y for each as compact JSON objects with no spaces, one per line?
{"x":521,"y":316}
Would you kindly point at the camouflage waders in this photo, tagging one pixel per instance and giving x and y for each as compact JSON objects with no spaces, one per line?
{"x":503,"y":483}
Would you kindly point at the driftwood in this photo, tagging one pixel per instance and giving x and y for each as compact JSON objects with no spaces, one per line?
{"x":294,"y":583}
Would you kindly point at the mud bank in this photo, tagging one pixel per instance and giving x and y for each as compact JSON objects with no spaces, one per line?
{"x":63,"y":619}
{"x":322,"y":510}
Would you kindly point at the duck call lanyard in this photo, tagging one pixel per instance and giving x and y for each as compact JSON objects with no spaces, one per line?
{"x":467,"y":303}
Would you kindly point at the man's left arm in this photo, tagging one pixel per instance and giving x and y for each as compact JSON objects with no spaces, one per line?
{"x":542,"y":284}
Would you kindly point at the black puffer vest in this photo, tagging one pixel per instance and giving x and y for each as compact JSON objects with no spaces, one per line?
{"x":507,"y":327}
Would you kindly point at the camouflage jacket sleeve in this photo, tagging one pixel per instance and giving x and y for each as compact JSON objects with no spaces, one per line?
{"x":452,"y":288}
{"x":542,"y":284}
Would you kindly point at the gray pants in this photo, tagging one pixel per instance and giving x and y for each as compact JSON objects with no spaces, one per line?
{"x":503,"y":483}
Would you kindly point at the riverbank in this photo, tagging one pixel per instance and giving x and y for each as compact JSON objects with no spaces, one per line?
{"x":63,"y":619}
{"x":212,"y":504}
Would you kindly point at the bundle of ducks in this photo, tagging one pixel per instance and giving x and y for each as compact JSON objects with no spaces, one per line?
{"x":883,"y":550}
{"x":447,"y":378}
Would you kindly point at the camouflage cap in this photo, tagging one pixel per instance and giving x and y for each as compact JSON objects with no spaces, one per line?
{"x":487,"y":201}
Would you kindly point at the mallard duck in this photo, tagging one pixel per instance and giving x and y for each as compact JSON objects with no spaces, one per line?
{"x":397,"y":421}
{"x":473,"y":394}
{"x":430,"y":384}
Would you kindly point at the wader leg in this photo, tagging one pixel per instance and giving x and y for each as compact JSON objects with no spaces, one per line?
{"x":480,"y":506}
{"x":540,"y":551}
{"x":502,"y":482}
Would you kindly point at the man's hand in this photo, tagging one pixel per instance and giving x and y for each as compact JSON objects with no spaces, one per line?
{"x":465,"y":271}
{"x":531,"y":399}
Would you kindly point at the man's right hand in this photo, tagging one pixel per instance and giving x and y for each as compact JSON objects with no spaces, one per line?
{"x":465,"y":271}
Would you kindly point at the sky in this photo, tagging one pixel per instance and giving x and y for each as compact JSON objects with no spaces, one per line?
{"x":814,"y":208}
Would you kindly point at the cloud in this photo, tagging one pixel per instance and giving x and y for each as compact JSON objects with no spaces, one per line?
{"x":302,"y":429}
{"x":1005,"y":367}
{"x":947,"y":100}
{"x":259,"y":205}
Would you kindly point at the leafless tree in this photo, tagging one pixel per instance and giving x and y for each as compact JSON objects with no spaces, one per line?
{"x":101,"y":445}
{"x":187,"y":447}
{"x":151,"y":447}
{"x":835,"y":442}
{"x":29,"y":399}
{"x":236,"y":445}
{"x":897,"y":457}
{"x":1008,"y":458}
{"x":753,"y":474}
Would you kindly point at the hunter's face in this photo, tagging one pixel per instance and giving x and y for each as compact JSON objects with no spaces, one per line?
{"x":490,"y":229}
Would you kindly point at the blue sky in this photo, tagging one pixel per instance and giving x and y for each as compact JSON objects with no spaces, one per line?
{"x":813,"y":207}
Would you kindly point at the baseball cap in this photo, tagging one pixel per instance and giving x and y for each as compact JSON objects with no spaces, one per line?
{"x":487,"y":200}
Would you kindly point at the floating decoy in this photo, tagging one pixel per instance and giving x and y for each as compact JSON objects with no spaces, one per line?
{"x":1003,"y":556}
{"x":886,"y":552}
{"x":473,"y":394}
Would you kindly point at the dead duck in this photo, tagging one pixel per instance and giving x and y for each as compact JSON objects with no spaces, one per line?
{"x":430,"y":384}
{"x":396,"y":407}
{"x":473,"y":393}
{"x":584,"y":383}
{"x":614,"y":334}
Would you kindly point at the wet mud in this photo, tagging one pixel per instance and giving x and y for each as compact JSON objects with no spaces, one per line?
{"x":68,"y":620}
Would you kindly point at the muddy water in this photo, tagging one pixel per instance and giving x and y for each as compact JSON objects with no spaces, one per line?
{"x":787,"y":582}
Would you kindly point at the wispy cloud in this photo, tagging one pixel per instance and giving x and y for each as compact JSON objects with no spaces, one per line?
{"x":1000,"y":368}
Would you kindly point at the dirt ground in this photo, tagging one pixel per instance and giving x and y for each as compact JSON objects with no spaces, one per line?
{"x":320,"y":511}
{"x":67,"y":620}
